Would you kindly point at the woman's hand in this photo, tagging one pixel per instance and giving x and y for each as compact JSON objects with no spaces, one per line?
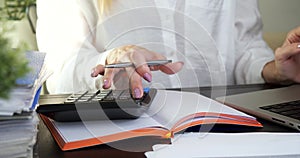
{"x":286,"y":66}
{"x":138,"y":56}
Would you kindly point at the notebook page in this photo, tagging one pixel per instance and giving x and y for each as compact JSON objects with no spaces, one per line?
{"x":170,"y":106}
{"x":92,"y":129}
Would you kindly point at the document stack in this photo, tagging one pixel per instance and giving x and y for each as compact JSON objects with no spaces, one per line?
{"x":18,"y":121}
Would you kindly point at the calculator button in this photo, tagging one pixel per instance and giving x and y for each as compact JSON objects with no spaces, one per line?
{"x":102,"y":94}
{"x":70,"y":101}
{"x":95,"y":100}
{"x":99,"y":97}
{"x":89,"y":95}
{"x":76,"y":95}
{"x":105,"y":91}
{"x":146,"y":90}
{"x":85,"y":98}
{"x":82,"y":100}
{"x":109,"y":99}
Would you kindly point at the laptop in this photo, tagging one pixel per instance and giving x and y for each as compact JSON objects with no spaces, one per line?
{"x":280,"y":105}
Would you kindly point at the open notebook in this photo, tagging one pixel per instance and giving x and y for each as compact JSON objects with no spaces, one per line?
{"x":169,"y":113}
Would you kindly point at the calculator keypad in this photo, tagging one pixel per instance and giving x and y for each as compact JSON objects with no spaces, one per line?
{"x":105,"y":95}
{"x":99,"y":105}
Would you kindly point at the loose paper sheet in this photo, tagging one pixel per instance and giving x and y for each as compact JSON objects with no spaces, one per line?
{"x":229,"y":145}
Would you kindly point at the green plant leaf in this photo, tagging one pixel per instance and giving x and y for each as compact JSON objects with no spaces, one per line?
{"x":13,"y":65}
{"x":15,"y":9}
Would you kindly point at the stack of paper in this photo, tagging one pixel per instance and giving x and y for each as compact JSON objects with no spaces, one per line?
{"x":23,"y":97}
{"x":17,"y":137}
{"x":18,"y":121}
{"x":230,"y":145}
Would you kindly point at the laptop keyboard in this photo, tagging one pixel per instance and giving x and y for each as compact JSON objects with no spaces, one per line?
{"x":289,"y":109}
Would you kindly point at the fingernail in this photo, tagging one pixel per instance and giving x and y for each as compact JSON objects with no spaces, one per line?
{"x":137,"y":93}
{"x":298,"y":46}
{"x":148,"y":77}
{"x":105,"y":83}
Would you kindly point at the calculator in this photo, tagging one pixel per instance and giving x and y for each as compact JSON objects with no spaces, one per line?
{"x":99,"y":105}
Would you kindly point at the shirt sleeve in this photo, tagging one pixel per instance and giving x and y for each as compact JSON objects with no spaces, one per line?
{"x":65,"y":33}
{"x":252,"y":51}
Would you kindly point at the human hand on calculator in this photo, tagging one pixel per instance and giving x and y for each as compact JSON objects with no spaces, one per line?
{"x":139,"y":57}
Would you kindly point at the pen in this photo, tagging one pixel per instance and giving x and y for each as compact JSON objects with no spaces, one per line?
{"x":129,"y":64}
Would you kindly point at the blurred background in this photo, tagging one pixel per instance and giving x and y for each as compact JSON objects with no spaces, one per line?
{"x":279,"y":16}
{"x":15,"y":16}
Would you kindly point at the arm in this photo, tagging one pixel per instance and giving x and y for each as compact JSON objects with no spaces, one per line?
{"x":63,"y":32}
{"x":285,"y":69}
{"x":252,"y":52}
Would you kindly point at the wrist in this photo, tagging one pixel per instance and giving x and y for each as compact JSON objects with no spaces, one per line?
{"x":271,"y":74}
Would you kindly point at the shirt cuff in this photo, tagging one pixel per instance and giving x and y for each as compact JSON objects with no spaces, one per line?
{"x":255,"y":74}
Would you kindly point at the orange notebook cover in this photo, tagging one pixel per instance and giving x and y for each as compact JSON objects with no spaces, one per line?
{"x":169,"y":113}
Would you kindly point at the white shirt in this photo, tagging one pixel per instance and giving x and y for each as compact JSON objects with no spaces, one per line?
{"x":220,"y":41}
